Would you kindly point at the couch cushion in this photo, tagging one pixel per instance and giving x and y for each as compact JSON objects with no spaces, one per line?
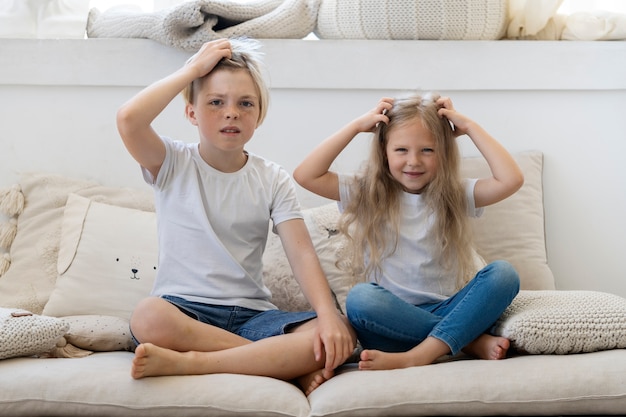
{"x":100,"y":384}
{"x":585,"y":384}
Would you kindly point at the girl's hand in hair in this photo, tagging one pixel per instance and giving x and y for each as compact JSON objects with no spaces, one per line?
{"x":460,"y":123}
{"x":368,"y":121}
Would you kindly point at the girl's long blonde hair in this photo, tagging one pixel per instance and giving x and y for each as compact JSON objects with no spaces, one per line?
{"x":371,"y":220}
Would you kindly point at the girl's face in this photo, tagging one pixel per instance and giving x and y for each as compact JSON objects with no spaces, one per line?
{"x":226,"y":111}
{"x":411,"y":155}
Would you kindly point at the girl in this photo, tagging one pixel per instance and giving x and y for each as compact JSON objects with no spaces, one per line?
{"x":406,"y":218}
{"x":210,"y":311}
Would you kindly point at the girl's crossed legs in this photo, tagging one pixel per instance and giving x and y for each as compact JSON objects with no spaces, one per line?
{"x":397,"y":334}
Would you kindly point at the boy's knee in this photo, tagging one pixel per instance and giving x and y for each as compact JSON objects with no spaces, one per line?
{"x":146,"y":320}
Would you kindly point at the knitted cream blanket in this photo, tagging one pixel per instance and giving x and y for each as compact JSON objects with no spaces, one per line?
{"x":188,"y":25}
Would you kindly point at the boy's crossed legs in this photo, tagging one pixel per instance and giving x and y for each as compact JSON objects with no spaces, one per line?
{"x":176,"y":344}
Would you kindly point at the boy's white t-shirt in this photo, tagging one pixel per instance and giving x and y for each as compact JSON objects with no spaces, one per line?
{"x":412,"y":272}
{"x":213,"y":226}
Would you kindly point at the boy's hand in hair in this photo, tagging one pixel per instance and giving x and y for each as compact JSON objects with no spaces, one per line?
{"x":209,"y":55}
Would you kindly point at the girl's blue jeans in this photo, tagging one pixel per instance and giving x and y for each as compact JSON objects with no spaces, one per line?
{"x":385,"y":322}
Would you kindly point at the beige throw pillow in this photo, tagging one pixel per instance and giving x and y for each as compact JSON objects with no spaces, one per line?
{"x":513,"y":229}
{"x":32,"y":273}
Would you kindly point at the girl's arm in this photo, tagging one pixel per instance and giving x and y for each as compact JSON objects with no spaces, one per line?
{"x":313,"y":172}
{"x":333,"y":336}
{"x":135,"y":117}
{"x":506,"y":177}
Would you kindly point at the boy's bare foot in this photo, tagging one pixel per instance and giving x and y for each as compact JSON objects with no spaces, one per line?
{"x":487,"y":346}
{"x":152,"y":360}
{"x":310,"y":382}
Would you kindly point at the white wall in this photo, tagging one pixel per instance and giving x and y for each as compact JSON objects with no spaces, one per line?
{"x":567,"y":99}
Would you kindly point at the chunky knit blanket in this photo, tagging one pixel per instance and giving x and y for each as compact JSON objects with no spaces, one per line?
{"x":188,"y":25}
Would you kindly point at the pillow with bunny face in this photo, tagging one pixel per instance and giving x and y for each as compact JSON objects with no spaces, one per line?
{"x":107,"y":259}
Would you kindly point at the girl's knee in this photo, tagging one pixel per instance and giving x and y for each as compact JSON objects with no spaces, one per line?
{"x":362,"y":293}
{"x":361,"y":299}
{"x":505,"y":274}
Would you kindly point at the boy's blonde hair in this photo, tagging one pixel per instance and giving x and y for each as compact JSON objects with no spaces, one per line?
{"x":246,"y":55}
{"x":371,"y":220}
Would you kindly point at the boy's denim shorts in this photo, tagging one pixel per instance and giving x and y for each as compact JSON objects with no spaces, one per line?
{"x":251,"y":324}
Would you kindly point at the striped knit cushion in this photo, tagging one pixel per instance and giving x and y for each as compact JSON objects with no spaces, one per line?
{"x":563,"y":322}
{"x":25,"y":334}
{"x":412,"y":19}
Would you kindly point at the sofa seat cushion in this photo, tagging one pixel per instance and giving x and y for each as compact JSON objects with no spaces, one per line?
{"x":100,"y":384}
{"x":590,"y":383}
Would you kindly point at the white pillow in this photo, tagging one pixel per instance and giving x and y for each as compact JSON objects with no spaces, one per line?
{"x":25,"y":334}
{"x":107,"y":259}
{"x":563,"y":322}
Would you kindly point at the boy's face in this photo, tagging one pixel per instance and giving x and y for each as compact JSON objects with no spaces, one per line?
{"x":226,"y":110}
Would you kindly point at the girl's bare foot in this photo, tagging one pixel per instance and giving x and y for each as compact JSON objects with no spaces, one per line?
{"x":487,"y":346}
{"x":425,"y":353}
{"x":308,"y":383}
{"x":378,"y":360}
{"x":152,"y":360}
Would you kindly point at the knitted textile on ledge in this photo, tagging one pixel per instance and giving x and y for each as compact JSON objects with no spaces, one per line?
{"x":412,"y":19}
{"x":189,"y":25}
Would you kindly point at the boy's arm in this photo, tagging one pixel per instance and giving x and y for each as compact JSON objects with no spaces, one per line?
{"x":506,"y":177}
{"x":134,"y":118}
{"x":334,"y":337}
{"x":313,"y":172}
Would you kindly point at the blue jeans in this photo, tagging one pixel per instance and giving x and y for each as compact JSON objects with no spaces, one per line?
{"x":385,"y":322}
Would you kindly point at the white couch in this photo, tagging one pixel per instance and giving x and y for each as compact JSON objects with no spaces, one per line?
{"x":79,"y":255}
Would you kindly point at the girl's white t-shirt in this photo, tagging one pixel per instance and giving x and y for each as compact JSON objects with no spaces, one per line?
{"x":412,"y":272}
{"x":213,"y":226}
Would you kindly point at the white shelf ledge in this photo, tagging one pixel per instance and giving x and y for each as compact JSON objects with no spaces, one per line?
{"x":334,"y":64}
